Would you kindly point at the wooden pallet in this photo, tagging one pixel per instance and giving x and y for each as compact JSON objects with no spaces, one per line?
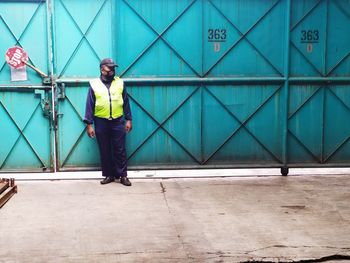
{"x":7,"y":190}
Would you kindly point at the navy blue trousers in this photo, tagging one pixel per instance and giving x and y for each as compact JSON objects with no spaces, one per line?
{"x":110,"y":135}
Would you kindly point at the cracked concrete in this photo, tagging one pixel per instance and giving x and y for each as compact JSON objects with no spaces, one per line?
{"x":251,"y":219}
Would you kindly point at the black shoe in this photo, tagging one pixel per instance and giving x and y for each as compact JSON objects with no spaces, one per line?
{"x":125,"y":181}
{"x":107,"y":180}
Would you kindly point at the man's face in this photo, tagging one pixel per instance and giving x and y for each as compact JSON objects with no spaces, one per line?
{"x":107,"y":71}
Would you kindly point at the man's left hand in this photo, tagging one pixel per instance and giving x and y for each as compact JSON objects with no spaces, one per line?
{"x":128,"y":126}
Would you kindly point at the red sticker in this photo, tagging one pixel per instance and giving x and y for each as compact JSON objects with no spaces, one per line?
{"x":16,"y":56}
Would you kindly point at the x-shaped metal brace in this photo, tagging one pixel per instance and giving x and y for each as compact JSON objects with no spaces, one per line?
{"x":21,"y":134}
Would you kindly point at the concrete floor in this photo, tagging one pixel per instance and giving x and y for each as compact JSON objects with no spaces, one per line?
{"x":234,"y":219}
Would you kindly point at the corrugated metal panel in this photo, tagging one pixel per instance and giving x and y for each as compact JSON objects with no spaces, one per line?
{"x":212,"y":83}
{"x":318,"y":131}
{"x":24,"y":129}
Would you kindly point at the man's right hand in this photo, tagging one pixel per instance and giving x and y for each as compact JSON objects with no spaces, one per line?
{"x":90,"y":131}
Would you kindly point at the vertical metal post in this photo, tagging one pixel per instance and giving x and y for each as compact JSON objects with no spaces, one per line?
{"x":49,"y":39}
{"x":326,"y":40}
{"x":285,"y":102}
{"x":323,"y":119}
{"x":203,"y":39}
{"x":114,"y":6}
{"x":201,"y":124}
{"x":50,"y":49}
{"x":324,"y":85}
{"x":50,"y":44}
{"x":52,"y":36}
{"x":201,"y":90}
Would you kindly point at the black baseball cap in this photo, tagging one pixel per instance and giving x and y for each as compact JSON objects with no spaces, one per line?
{"x":108,"y":62}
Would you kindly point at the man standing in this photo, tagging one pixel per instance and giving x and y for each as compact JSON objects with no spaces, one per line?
{"x":108,"y":108}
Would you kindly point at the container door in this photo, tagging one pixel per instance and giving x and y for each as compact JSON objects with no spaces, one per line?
{"x":216,"y":83}
{"x":25,"y":107}
{"x":206,"y":118}
{"x":319,"y":112}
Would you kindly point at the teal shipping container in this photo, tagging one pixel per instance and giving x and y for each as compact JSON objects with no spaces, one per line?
{"x":212,"y":83}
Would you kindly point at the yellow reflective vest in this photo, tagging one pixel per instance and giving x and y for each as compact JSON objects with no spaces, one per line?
{"x":109,"y":102}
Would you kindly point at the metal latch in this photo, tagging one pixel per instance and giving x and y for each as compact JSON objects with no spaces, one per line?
{"x":45,"y":103}
{"x":61,"y":91}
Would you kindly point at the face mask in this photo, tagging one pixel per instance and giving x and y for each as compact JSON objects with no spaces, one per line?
{"x":107,"y":74}
{"x":107,"y":78}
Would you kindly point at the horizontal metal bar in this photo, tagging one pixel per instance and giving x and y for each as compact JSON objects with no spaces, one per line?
{"x":177,"y":167}
{"x":318,"y":165}
{"x":25,"y":170}
{"x":212,"y":81}
{"x":217,"y":166}
{"x":73,"y":80}
{"x":239,"y":166}
{"x":203,"y":81}
{"x":22,"y":88}
{"x":327,"y":80}
{"x":26,"y":86}
{"x":182,"y":80}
